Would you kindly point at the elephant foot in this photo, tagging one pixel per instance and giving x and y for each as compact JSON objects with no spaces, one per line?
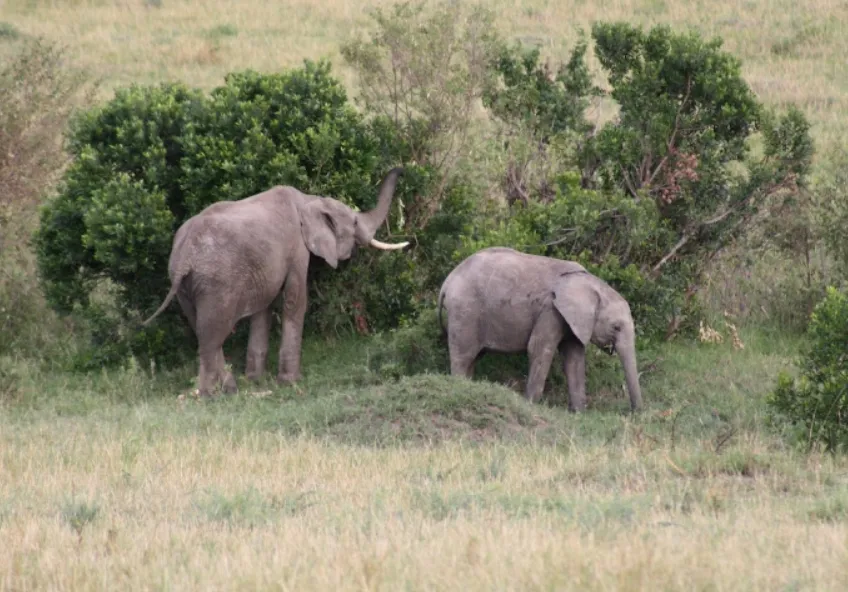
{"x":204,"y":394}
{"x":229,"y":386}
{"x":288,"y":378}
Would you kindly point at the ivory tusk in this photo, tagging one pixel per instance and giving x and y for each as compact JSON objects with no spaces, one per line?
{"x":387,"y":246}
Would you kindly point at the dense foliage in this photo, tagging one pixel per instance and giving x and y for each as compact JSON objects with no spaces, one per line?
{"x":817,"y":401}
{"x":154,"y":156}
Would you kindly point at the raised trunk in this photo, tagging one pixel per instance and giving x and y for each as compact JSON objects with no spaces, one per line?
{"x":370,"y":221}
{"x":627,"y":353}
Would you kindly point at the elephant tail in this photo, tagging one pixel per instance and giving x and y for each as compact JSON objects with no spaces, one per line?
{"x":171,"y":293}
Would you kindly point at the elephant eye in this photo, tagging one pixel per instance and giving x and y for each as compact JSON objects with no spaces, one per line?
{"x":616,"y":327}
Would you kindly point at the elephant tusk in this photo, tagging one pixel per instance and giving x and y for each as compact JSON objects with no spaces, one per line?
{"x":387,"y":246}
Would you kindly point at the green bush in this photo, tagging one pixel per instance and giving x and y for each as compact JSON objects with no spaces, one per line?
{"x":817,"y":401}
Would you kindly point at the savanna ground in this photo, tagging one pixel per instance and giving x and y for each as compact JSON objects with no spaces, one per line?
{"x":348,"y":481}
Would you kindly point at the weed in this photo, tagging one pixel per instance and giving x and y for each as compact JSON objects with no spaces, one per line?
{"x":80,"y":513}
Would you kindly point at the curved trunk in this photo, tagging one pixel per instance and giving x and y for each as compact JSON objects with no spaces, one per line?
{"x":627,"y":354}
{"x":370,"y":221}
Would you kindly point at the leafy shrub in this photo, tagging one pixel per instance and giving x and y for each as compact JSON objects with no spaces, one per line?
{"x":604,"y":231}
{"x":832,"y":211}
{"x":817,"y":401}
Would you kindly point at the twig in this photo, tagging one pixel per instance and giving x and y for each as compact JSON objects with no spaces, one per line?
{"x":724,"y":439}
{"x":567,"y":231}
{"x":674,"y":426}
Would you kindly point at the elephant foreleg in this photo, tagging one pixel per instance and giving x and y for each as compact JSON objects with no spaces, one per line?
{"x":574,"y":367}
{"x":546,"y":334}
{"x":257,"y":345}
{"x":294,"y":311}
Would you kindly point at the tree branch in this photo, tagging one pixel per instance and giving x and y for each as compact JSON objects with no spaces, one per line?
{"x":680,"y":244}
{"x":674,"y":131}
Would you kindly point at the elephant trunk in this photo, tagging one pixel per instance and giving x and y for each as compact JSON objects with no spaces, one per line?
{"x":370,"y":221}
{"x":627,"y":353}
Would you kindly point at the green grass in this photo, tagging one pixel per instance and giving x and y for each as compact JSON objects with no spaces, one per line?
{"x":351,"y":479}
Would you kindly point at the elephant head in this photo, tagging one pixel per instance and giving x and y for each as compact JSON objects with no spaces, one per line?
{"x":596,"y":312}
{"x":330,"y":229}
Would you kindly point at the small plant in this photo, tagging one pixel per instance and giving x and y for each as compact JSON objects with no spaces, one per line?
{"x":817,"y":401}
{"x":9,"y":32}
{"x":79,"y":514}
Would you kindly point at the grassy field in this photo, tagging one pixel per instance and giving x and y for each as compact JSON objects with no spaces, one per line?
{"x":350,"y":481}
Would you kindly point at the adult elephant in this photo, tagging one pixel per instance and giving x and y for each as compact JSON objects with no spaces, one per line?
{"x":501,"y":300}
{"x":232,"y":259}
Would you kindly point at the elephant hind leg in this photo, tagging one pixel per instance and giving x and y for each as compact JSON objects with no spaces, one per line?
{"x":212,"y":330}
{"x":213,"y":371}
{"x":188,"y":309}
{"x":257,"y":345}
{"x":463,"y":355}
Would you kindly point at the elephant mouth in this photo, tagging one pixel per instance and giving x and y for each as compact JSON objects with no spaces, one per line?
{"x":609,"y":349}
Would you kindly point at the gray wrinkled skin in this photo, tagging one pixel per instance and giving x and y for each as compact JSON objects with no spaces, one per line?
{"x":505,"y":301}
{"x":232,"y":259}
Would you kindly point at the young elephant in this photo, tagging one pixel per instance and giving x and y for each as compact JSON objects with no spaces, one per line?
{"x":501,"y":300}
{"x":231,"y":260}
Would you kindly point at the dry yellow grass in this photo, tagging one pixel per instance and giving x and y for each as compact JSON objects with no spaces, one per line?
{"x":792,"y":51}
{"x":217,"y":512}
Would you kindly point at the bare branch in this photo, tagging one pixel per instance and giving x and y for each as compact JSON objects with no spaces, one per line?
{"x":674,"y":131}
{"x":680,"y":244}
{"x":568,"y":232}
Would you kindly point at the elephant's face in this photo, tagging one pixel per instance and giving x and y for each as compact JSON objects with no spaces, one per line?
{"x":613,"y":326}
{"x":329,"y":229}
{"x":594,"y":311}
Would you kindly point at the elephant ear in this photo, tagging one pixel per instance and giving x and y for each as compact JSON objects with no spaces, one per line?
{"x":577,"y":301}
{"x":317,"y":228}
